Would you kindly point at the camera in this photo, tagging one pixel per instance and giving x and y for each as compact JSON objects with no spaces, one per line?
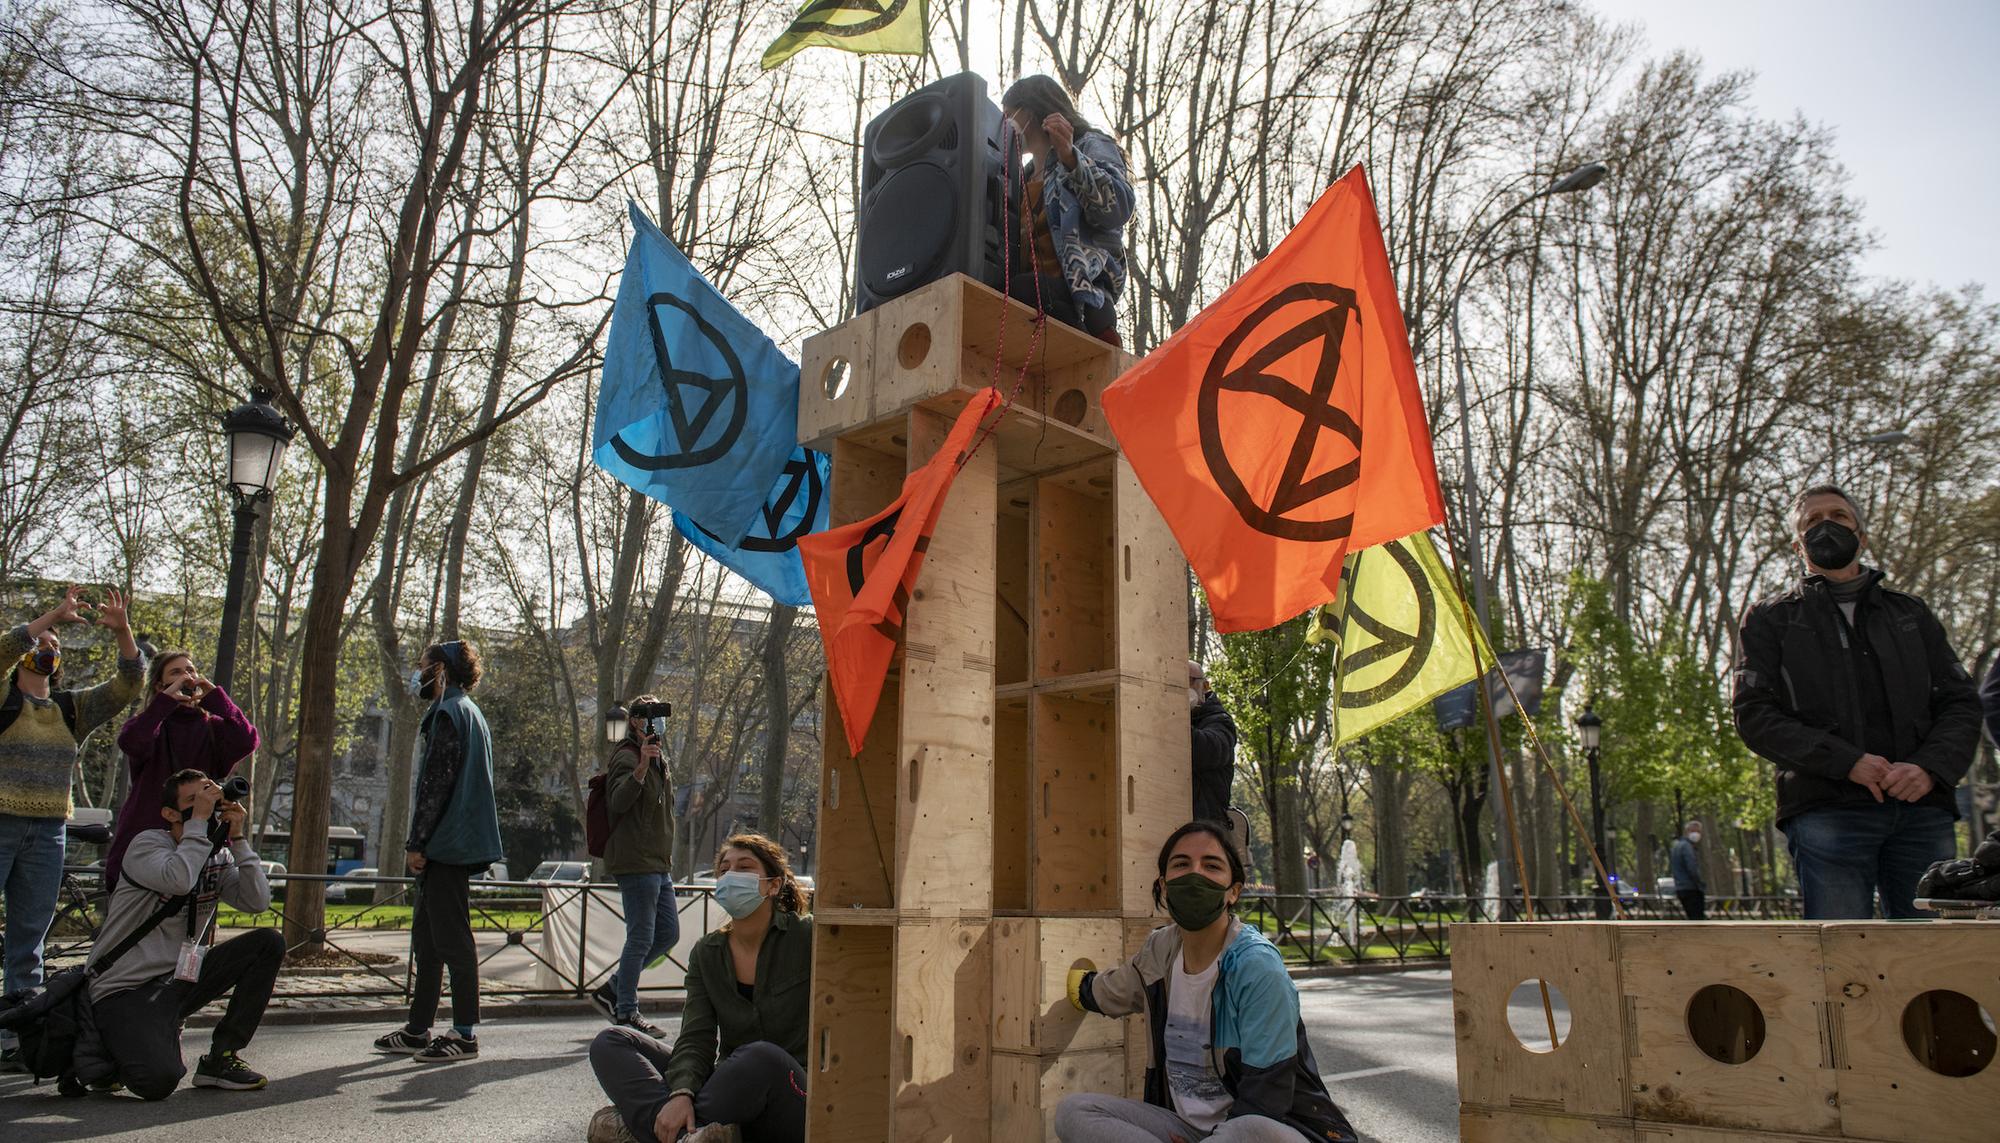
{"x":235,"y":788}
{"x":650,"y":710}
{"x":189,"y":690}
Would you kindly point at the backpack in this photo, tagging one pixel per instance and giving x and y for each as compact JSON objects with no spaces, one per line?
{"x":596,"y":816}
{"x":50,"y":1021}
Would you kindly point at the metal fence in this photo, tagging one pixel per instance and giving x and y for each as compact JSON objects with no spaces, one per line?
{"x":365,"y":942}
{"x":1324,"y":929}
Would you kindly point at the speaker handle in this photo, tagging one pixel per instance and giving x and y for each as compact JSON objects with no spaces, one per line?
{"x":890,"y":159}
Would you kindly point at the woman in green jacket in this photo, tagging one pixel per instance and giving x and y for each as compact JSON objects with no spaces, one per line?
{"x":734,"y":1069}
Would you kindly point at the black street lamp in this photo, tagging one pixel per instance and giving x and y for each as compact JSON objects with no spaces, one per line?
{"x":1590,"y":729}
{"x":1581,"y":179}
{"x":258,"y":434}
{"x":617,"y":724}
{"x":1346,"y":825}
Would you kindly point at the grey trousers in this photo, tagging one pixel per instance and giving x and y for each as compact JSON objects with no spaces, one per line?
{"x":1093,"y":1118}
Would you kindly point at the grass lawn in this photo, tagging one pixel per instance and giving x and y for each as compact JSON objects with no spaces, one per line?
{"x":378,"y":917}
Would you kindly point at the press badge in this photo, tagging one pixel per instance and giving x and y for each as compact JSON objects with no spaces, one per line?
{"x":189,"y":968}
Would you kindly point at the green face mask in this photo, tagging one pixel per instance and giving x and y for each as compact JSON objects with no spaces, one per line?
{"x":1194,"y":901}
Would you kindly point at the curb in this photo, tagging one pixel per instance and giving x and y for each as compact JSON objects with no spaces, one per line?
{"x":1366,"y":968}
{"x":534,"y":1008}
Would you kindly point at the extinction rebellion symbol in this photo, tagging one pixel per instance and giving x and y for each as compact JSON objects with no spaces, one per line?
{"x":1414,"y":646}
{"x":848,"y":17}
{"x":798,"y":482}
{"x":1286,"y":511}
{"x":729,"y":397}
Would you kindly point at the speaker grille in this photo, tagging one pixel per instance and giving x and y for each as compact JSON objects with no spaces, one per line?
{"x":911,"y":222}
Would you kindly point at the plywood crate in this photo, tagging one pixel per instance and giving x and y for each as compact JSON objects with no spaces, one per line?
{"x":1724,"y":1025}
{"x":1644,"y":1131}
{"x":947,"y":337}
{"x":1914,"y":1058}
{"x":1484,"y":1125}
{"x":1585,"y":1074}
{"x":1032,"y":959}
{"x":1138,"y":1032}
{"x":1028,"y":1088}
{"x":899,"y":1041}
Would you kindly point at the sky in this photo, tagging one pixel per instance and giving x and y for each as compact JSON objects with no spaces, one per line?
{"x":1910,"y":90}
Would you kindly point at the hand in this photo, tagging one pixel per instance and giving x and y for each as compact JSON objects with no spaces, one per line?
{"x":113,"y":614}
{"x":70,"y":610}
{"x":675,"y":1117}
{"x":1062,"y":137}
{"x":650,"y":752}
{"x":415,"y":861}
{"x":205,"y":800}
{"x":1907,"y":782}
{"x":1870,"y":772}
{"x":235,"y":815}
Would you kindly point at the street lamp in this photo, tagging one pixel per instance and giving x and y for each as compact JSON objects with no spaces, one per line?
{"x":1346,"y":825}
{"x":1590,"y":731}
{"x":617,"y":724}
{"x":1581,"y":179}
{"x":258,"y":434}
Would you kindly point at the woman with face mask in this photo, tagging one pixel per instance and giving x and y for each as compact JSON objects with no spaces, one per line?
{"x":733,"y":1073}
{"x":1230,"y":1061}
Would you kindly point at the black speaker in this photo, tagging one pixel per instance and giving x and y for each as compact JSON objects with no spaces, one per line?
{"x":931,"y":167}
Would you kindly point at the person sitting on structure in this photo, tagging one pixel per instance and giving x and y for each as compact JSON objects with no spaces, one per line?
{"x":1230,"y":1062}
{"x":1068,"y":234}
{"x":734,"y":1069}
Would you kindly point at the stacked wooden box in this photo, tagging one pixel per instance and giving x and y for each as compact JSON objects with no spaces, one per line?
{"x":1031,"y":748}
{"x":1732,"y":1033}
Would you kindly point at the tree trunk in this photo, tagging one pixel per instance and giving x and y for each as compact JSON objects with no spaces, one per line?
{"x":777,"y":721}
{"x":1389,"y":790}
{"x":319,"y":672}
{"x":1643,"y":843}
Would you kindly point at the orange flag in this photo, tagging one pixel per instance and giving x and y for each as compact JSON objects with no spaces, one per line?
{"x":861,"y":574}
{"x":1283,"y":425}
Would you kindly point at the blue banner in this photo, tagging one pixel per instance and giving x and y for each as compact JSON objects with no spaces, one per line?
{"x":769,"y":556}
{"x":698,"y":409}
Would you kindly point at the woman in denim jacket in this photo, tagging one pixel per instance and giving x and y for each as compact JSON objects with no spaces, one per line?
{"x":1068,"y":233}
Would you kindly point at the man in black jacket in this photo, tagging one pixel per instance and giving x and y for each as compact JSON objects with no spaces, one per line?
{"x":1214,"y":748}
{"x":1853,"y":691}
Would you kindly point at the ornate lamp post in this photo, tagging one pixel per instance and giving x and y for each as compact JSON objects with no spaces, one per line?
{"x":258,"y":434}
{"x":1590,"y":729}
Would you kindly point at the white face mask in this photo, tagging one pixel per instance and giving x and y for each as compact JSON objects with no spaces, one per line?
{"x":1694,"y":836}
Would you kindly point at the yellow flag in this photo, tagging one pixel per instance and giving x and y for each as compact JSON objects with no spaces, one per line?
{"x":1402,"y":635}
{"x":866,"y":27}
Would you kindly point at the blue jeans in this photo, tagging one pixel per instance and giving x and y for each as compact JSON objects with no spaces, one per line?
{"x":1846,"y":854}
{"x":31,"y":861}
{"x":652,"y":928}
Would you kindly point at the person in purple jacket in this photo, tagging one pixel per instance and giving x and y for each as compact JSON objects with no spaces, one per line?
{"x":187,"y":724}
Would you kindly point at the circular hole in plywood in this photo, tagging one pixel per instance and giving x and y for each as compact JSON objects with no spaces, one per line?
{"x":1070,"y":406}
{"x":913,"y":346}
{"x":1725,"y":1023}
{"x":1949,"y":1032}
{"x":1530,"y":1020}
{"x":835,"y":378}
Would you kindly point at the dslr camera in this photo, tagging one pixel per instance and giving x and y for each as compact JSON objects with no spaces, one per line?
{"x":235,"y":788}
{"x":653,"y":716}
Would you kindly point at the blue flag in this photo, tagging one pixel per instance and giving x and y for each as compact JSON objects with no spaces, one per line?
{"x":769,"y":556}
{"x":698,"y":409}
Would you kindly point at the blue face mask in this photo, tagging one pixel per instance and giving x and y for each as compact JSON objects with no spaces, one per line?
{"x":739,"y":892}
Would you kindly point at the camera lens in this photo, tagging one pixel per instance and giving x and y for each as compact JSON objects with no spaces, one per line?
{"x":235,"y":788}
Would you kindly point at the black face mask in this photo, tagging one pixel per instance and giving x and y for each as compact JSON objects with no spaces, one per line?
{"x":1831,"y":545}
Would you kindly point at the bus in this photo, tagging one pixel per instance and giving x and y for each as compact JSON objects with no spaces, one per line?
{"x":346,"y":849}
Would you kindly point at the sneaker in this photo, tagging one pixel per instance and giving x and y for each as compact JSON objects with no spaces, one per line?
{"x":640,"y":1024}
{"x":226,"y":1070}
{"x":605,"y":1000}
{"x":10,"y":1060}
{"x":715,"y":1133}
{"x":607,"y":1126}
{"x":402,"y":1042}
{"x":448,"y":1049}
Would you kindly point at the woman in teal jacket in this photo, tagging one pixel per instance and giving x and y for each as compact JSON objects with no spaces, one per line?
{"x":1230,"y":1061}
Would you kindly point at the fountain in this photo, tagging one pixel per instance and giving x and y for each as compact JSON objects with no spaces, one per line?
{"x":1492,"y":895}
{"x":1348,"y":877}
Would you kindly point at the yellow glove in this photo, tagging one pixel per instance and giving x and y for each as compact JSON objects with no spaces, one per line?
{"x":1076,"y":979}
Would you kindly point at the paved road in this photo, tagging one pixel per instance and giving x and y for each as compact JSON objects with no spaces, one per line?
{"x":1383,"y":1042}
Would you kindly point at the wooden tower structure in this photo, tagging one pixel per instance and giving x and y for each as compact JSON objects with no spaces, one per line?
{"x":1030,"y":751}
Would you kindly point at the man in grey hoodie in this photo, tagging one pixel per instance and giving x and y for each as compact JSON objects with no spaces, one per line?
{"x":141,"y":1000}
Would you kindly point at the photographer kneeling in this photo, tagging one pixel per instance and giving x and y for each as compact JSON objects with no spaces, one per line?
{"x":141,"y":1000}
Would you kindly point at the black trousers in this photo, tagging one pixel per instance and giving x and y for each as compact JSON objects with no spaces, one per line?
{"x":141,"y":1026}
{"x":1694,"y":903}
{"x":1059,"y":303}
{"x":441,"y":931}
{"x":760,"y":1087}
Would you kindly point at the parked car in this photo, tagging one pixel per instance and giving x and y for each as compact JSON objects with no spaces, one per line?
{"x":561,"y":873}
{"x":495,"y":872}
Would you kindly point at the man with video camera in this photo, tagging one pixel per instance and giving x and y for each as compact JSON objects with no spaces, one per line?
{"x":638,"y":854}
{"x":141,"y":999}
